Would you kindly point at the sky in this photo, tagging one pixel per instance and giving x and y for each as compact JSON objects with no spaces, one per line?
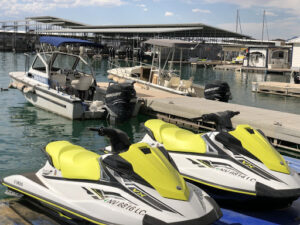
{"x":282,"y":16}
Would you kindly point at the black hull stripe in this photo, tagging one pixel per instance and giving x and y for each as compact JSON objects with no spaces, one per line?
{"x":218,"y":186}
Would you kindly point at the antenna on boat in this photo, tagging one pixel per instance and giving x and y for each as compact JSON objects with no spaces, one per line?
{"x":238,"y":22}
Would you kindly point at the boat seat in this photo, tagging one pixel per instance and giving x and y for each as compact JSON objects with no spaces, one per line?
{"x":176,"y":139}
{"x":59,"y":80}
{"x":83,"y":83}
{"x":186,"y":84}
{"x":74,"y":162}
{"x":174,"y":82}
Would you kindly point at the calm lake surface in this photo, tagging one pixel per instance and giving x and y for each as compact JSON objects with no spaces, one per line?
{"x":25,"y":130}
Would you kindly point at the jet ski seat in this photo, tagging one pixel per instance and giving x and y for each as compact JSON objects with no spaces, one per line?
{"x":174,"y":138}
{"x":74,"y":162}
{"x":156,"y":126}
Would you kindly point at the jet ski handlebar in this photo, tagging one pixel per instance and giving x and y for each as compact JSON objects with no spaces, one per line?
{"x":221,"y":119}
{"x":103,"y":131}
{"x":119,"y":140}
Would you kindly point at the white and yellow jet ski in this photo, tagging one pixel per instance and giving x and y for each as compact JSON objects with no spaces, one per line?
{"x":229,"y":163}
{"x":133,"y":185}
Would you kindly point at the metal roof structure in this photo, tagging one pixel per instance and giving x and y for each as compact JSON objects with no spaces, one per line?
{"x":55,"y":21}
{"x":189,"y":30}
{"x":170,"y":43}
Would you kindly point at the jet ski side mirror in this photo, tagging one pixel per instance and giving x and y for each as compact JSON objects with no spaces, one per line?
{"x":119,"y":140}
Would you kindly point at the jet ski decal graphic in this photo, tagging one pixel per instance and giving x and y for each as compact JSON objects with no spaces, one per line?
{"x":233,"y":171}
{"x":255,"y":169}
{"x":127,"y":206}
{"x":226,"y":168}
{"x":155,"y":203}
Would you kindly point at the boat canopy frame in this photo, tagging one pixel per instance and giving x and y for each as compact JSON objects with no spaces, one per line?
{"x":53,"y":55}
{"x":171,"y":44}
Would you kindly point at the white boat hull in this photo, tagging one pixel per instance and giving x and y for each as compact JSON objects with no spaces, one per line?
{"x":51,"y":100}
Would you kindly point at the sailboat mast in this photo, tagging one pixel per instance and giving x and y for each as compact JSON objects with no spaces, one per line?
{"x":263,"y":26}
{"x":238,"y":22}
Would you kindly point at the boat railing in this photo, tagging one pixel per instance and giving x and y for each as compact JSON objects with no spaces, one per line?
{"x":121,"y":71}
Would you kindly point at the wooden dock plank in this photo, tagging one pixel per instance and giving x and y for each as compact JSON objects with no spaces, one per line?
{"x":9,"y":217}
{"x":17,"y":211}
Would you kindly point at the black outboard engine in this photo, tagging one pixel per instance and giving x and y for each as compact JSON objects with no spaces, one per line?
{"x":296,"y":77}
{"x":217,"y":90}
{"x":120,"y":100}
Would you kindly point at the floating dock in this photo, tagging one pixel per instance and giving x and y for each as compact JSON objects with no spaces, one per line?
{"x":208,"y":63}
{"x":233,"y":67}
{"x":277,"y":88}
{"x":266,"y":70}
{"x":283,"y":129}
{"x":20,"y":212}
{"x":241,"y":68}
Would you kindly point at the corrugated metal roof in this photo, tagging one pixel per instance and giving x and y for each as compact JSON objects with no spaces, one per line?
{"x":171,"y":43}
{"x":124,"y":30}
{"x":146,"y":30}
{"x":56,"y":20}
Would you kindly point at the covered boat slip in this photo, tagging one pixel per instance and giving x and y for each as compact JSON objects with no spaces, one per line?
{"x":13,"y":212}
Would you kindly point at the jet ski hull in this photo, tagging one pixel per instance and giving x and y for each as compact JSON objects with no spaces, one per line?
{"x":104,"y":203}
{"x":234,"y":178}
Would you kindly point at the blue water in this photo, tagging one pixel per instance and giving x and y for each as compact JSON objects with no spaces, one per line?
{"x":25,"y":130}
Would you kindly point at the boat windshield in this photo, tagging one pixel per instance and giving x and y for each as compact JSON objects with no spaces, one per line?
{"x":83,"y":68}
{"x":64,"y":62}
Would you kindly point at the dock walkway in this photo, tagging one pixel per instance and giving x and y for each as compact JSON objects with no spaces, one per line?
{"x":282,"y":128}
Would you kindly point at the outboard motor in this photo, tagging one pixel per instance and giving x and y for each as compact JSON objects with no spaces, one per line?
{"x":120,"y":99}
{"x":296,"y":77}
{"x":217,"y":90}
